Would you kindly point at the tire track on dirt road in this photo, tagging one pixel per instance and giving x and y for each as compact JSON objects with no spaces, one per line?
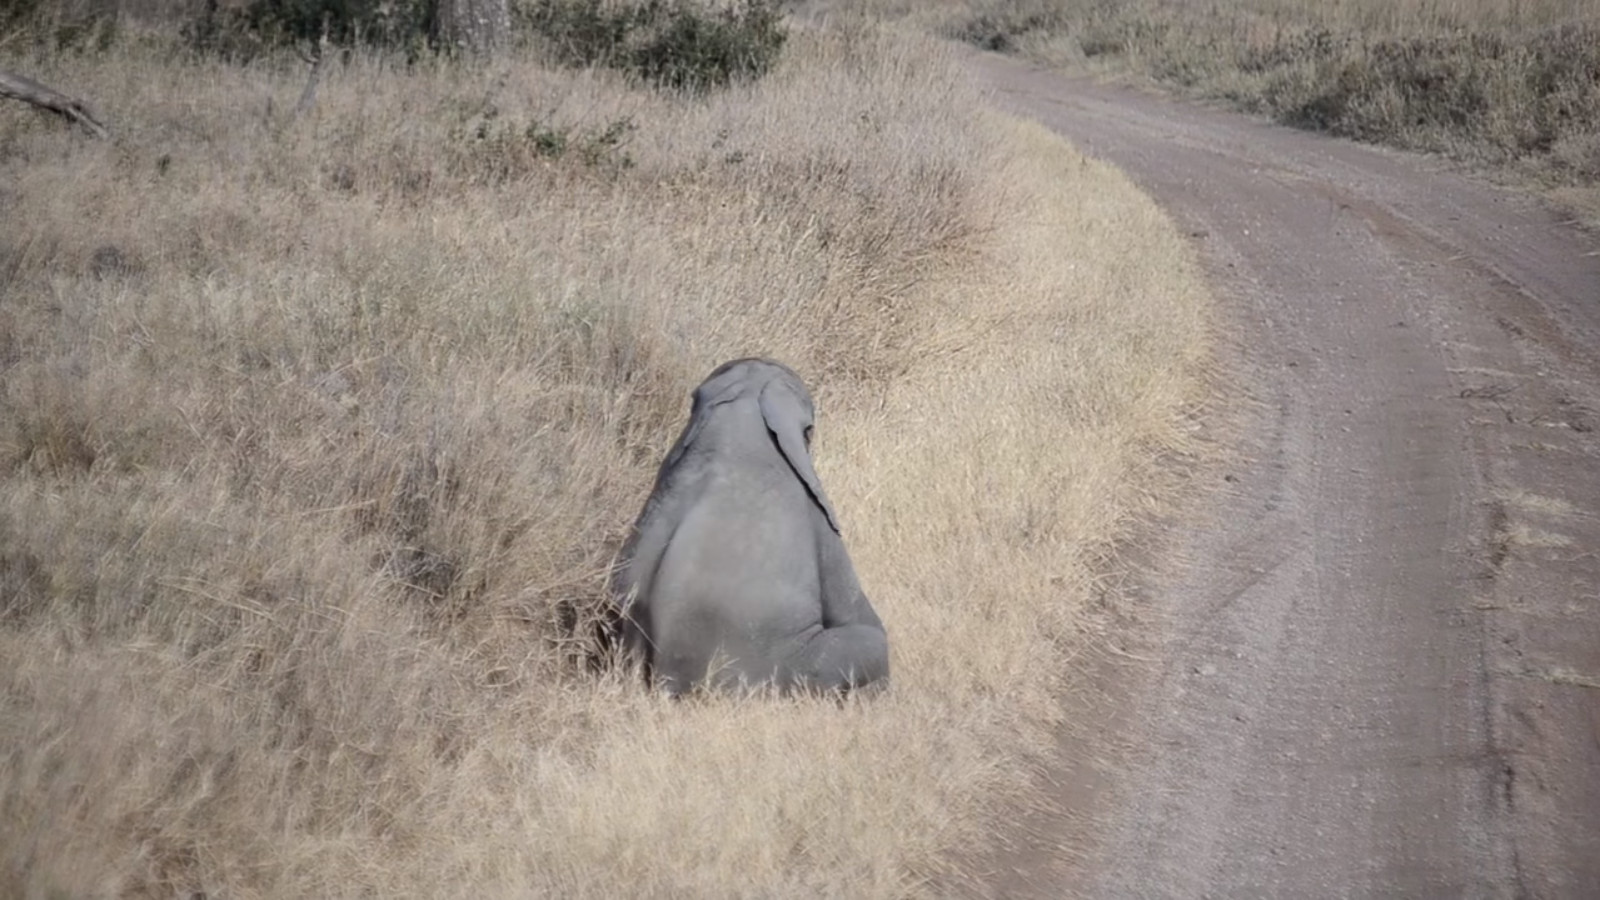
{"x":1380,"y":662}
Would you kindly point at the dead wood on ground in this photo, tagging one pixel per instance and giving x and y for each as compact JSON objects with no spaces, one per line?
{"x":27,"y":90}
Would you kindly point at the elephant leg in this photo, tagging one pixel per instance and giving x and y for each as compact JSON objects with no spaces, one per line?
{"x":842,"y":658}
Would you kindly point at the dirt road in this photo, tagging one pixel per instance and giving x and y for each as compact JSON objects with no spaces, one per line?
{"x":1380,"y":667}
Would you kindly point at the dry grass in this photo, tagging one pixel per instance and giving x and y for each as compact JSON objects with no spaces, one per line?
{"x":1527,"y":501}
{"x":1511,"y":84}
{"x":316,"y":438}
{"x":1575,"y":679}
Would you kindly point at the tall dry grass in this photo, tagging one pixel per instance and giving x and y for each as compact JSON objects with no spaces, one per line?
{"x":317,"y":436}
{"x":1513,"y":85}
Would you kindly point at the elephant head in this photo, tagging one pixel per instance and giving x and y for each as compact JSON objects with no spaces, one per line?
{"x":735,"y":573}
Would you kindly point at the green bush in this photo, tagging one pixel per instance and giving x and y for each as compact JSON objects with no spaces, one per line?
{"x":686,"y":44}
{"x":386,"y":23}
{"x":59,"y":25}
{"x":264,"y":24}
{"x":681,"y":44}
{"x":581,"y":32}
{"x":693,"y":48}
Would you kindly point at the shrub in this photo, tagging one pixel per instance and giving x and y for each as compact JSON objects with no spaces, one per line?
{"x":686,"y":44}
{"x":1002,"y":28}
{"x":59,"y":25}
{"x":492,"y":151}
{"x":680,"y":44}
{"x":264,"y":24}
{"x":1508,"y":97}
{"x":696,"y":48}
{"x":387,"y":23}
{"x":580,"y":32}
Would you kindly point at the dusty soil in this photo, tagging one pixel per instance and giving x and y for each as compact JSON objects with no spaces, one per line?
{"x":1376,"y":666}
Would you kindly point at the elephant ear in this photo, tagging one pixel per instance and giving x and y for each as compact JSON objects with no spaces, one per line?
{"x":787,"y":415}
{"x":722,"y":387}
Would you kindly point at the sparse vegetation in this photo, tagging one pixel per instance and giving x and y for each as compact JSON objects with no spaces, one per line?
{"x":1500,"y":82}
{"x":317,"y":435}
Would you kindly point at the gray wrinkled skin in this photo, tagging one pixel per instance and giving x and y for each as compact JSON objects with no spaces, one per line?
{"x":735,"y":575}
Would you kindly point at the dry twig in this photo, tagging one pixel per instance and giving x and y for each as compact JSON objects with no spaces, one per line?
{"x":27,"y":90}
{"x":317,"y":58}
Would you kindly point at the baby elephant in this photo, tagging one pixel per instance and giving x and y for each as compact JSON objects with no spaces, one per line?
{"x":735,"y":575}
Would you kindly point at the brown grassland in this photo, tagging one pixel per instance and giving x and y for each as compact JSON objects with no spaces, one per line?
{"x":317,"y":436}
{"x":1509,"y":85}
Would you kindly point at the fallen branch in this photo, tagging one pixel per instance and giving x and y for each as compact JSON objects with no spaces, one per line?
{"x":27,"y":90}
{"x":317,"y":59}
